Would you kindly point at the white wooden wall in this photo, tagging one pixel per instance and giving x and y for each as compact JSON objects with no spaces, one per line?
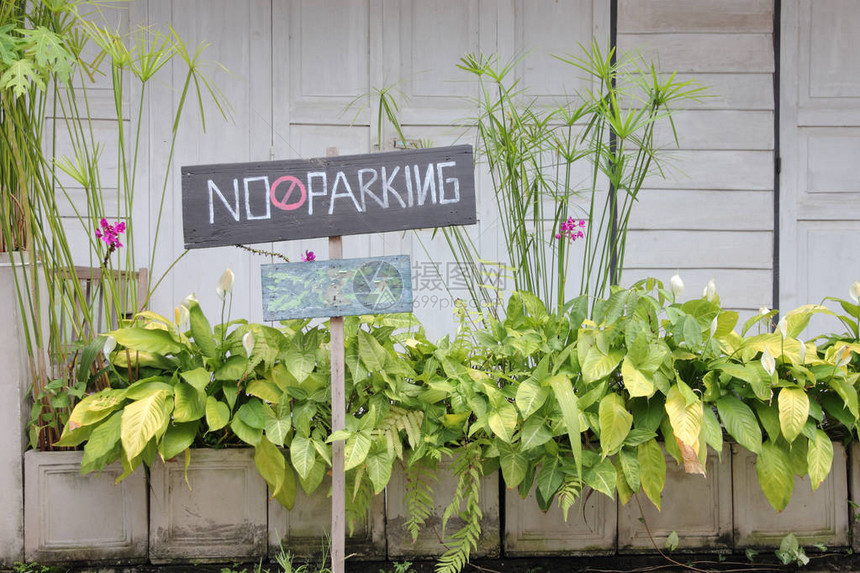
{"x":299,"y":71}
{"x":299,"y":74}
{"x":713,"y":216}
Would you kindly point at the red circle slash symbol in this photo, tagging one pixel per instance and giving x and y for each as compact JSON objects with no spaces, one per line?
{"x":283,"y":204}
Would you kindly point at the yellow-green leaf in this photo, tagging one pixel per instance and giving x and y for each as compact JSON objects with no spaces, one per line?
{"x":303,"y":455}
{"x":793,"y":412}
{"x":177,"y":439}
{"x":190,"y":403}
{"x":615,"y":423}
{"x":599,"y":365}
{"x":217,"y":414}
{"x":503,"y":421}
{"x":740,"y":422}
{"x":819,"y":458}
{"x":144,"y":420}
{"x":356,"y":450}
{"x":270,"y":463}
{"x":153,"y":340}
{"x":563,"y":390}
{"x":652,"y":468}
{"x":636,"y":382}
{"x":686,"y":419}
{"x":774,"y":475}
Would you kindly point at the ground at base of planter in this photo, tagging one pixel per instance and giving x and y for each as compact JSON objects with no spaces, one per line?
{"x":830,"y":563}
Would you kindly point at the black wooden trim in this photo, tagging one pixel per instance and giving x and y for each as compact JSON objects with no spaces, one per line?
{"x":614,"y":271}
{"x":777,"y":160}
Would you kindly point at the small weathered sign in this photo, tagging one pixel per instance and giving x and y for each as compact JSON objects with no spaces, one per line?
{"x":244,"y":203}
{"x":342,"y":287}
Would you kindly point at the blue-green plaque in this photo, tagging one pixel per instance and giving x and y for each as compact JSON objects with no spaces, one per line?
{"x":342,"y":287}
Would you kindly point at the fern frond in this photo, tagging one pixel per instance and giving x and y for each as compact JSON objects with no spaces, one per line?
{"x":467,"y":467}
{"x":568,"y":493}
{"x":419,"y":496}
{"x":357,"y":504}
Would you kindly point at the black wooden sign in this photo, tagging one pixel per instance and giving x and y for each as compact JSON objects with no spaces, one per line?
{"x":243,"y":203}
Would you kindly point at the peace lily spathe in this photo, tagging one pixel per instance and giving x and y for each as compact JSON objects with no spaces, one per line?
{"x":768,"y":362}
{"x":854,"y":292}
{"x":710,"y":290}
{"x":110,"y":344}
{"x":783,"y":328}
{"x":677,"y":285}
{"x":802,"y":351}
{"x":225,"y":284}
{"x":843,"y":356}
{"x":248,"y":343}
{"x":181,"y":316}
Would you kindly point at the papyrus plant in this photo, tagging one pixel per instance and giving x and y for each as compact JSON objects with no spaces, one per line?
{"x":45,"y":98}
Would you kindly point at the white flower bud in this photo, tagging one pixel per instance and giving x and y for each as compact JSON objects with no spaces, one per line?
{"x":843,"y":356}
{"x":783,"y":328}
{"x":225,"y":284}
{"x":802,"y":351}
{"x":710,"y":290}
{"x":248,"y":343}
{"x":714,"y":324}
{"x":763,"y":310}
{"x":110,"y":344}
{"x":677,"y":285}
{"x":854,"y":292}
{"x":181,"y":316}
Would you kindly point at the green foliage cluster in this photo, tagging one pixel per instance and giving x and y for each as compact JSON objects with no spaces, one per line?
{"x":557,"y":401}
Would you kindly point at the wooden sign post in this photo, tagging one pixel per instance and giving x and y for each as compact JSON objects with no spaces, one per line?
{"x":332,"y":196}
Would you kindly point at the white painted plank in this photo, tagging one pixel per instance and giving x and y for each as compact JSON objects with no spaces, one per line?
{"x":699,"y":249}
{"x":717,"y":129}
{"x":703,"y":52}
{"x":741,"y":170}
{"x":726,"y":16}
{"x":730,"y":91}
{"x":703,"y":210}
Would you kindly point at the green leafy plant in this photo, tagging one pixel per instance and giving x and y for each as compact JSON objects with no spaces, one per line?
{"x":790,"y":551}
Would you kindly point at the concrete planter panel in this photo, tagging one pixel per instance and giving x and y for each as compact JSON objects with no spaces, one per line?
{"x":854,"y":493}
{"x":70,"y":517}
{"x":399,"y":539}
{"x":814,"y":517}
{"x":590,"y":528}
{"x":222,"y":518}
{"x":302,"y":529}
{"x":698,"y":508}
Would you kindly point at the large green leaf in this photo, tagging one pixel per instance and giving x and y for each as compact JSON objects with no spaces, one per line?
{"x":189,"y":403}
{"x":302,"y":455}
{"x":630,"y":467}
{"x":103,"y":444}
{"x":550,"y":477}
{"x":793,"y":412}
{"x":217,"y":414}
{"x":177,"y":439}
{"x":153,"y":340}
{"x":598,"y":365}
{"x":615,"y":423}
{"x":371,"y":353}
{"x":563,"y":390}
{"x":534,"y":433}
{"x":277,"y":426}
{"x":356,"y":450}
{"x":740,"y":422}
{"x":379,"y":469}
{"x":199,"y":378}
{"x":286,"y":495}
{"x":819,"y":458}
{"x":503,"y":421}
{"x":315,"y":477}
{"x":514,"y":466}
{"x":144,"y":420}
{"x":530,"y":397}
{"x":246,"y":433}
{"x":636,"y":382}
{"x":652,"y":467}
{"x":300,"y":362}
{"x":601,"y":477}
{"x":848,"y":394}
{"x":774,"y":475}
{"x":201,"y":332}
{"x":270,"y":463}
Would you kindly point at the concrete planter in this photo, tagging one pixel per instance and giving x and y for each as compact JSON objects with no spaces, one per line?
{"x":14,"y":392}
{"x":854,"y":493}
{"x":70,"y":517}
{"x":222,"y":518}
{"x":814,"y":517}
{"x":428,"y":545}
{"x":302,"y":529}
{"x":698,"y":508}
{"x":590,"y":528}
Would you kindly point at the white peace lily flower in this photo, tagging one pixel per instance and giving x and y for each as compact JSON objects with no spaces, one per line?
{"x":768,"y":362}
{"x":677,"y":285}
{"x":854,"y":291}
{"x":181,"y":316}
{"x":248,"y":342}
{"x":783,"y":328}
{"x":843,"y":356}
{"x":110,"y":344}
{"x":190,"y":300}
{"x":802,"y":351}
{"x":225,"y":284}
{"x":710,"y":290}
{"x":714,"y":324}
{"x":763,"y":310}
